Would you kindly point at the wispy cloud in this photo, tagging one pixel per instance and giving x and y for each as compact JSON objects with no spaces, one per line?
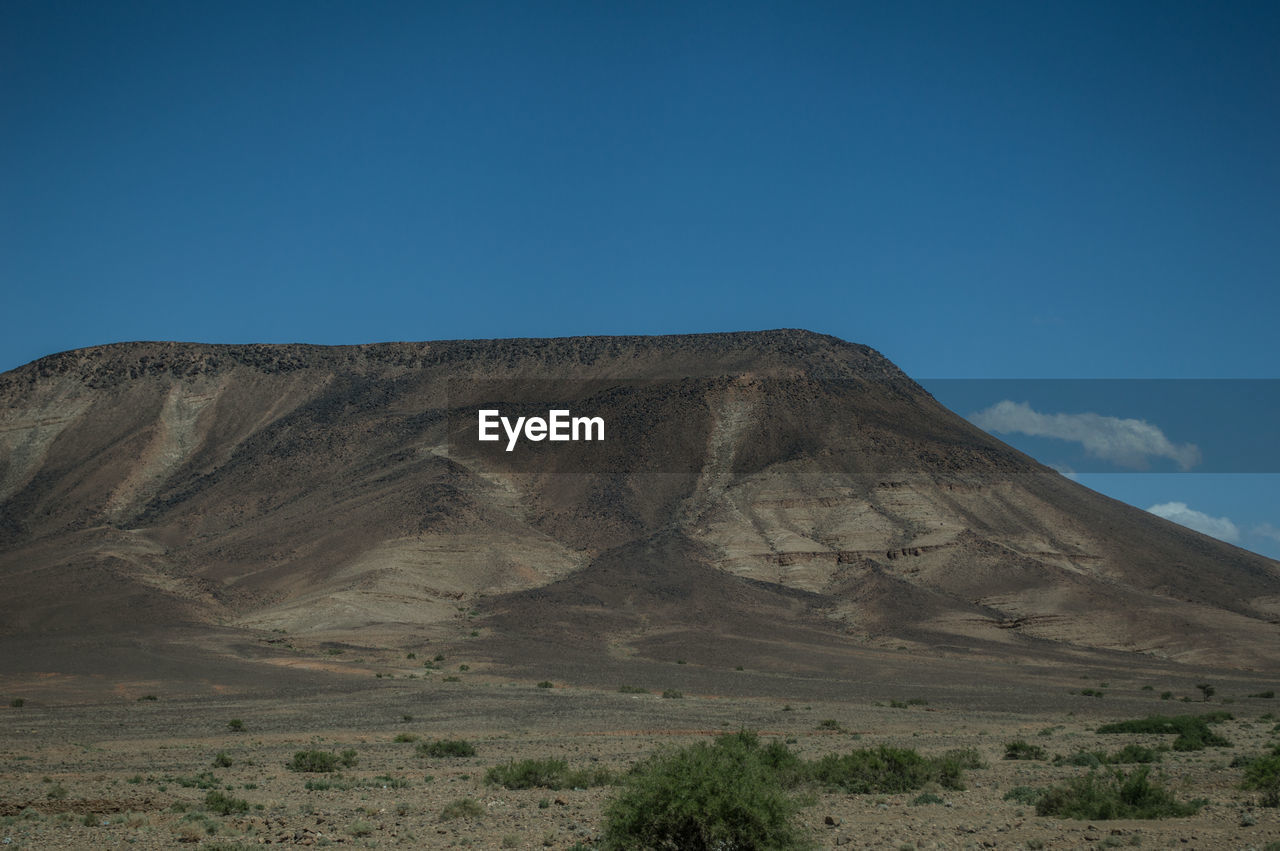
{"x":1266,"y":530}
{"x":1219,"y":527}
{"x":1126,"y":442}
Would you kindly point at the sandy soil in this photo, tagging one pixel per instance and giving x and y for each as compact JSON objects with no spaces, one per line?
{"x":135,"y":773}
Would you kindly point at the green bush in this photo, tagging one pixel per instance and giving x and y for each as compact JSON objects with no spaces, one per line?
{"x":405,"y":738}
{"x":349,"y":758}
{"x":545,"y":774}
{"x":224,"y":805}
{"x":884,"y":770}
{"x":222,"y":760}
{"x":1130,"y":754}
{"x":314,"y":761}
{"x":926,"y":798}
{"x":1023,"y":795}
{"x":1263,"y":774}
{"x":447,"y":748}
{"x":235,"y":725}
{"x":546,"y":684}
{"x":719,"y":795}
{"x":1193,"y":733}
{"x":462,"y":808}
{"x":1086,"y":759}
{"x":1021,"y":749}
{"x":1113,"y":795}
{"x":673,"y":694}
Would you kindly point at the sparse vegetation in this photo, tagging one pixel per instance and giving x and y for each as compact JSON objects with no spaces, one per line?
{"x":1193,"y":733}
{"x":1128,"y":755}
{"x":545,"y":774}
{"x":673,"y":694}
{"x":462,"y":808}
{"x":1021,"y":749}
{"x":18,"y":702}
{"x":723,"y":794}
{"x":405,"y":738}
{"x":225,"y":805}
{"x":235,"y":725}
{"x":222,"y":760}
{"x":885,"y":770}
{"x":1023,"y":795}
{"x":1113,"y":795}
{"x":314,"y":761}
{"x":632,"y":690}
{"x":545,"y":684}
{"x":1263,"y":775}
{"x":441,"y":748}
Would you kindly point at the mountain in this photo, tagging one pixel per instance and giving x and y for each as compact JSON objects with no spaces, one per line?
{"x":781,"y":496}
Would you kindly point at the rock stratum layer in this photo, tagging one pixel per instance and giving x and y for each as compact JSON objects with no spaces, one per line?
{"x":767,"y":492}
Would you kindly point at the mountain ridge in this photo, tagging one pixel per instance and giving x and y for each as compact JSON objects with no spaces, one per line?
{"x":813,"y":490}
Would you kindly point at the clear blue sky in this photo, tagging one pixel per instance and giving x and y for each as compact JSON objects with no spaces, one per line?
{"x":976,"y":189}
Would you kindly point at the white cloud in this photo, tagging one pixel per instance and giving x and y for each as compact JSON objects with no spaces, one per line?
{"x":1126,"y":442}
{"x":1219,"y":527}
{"x":1266,"y":530}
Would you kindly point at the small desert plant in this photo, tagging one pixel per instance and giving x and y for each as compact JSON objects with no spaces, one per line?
{"x":672,"y":694}
{"x":722,"y":794}
{"x":360,"y":827}
{"x":313,"y":761}
{"x":1266,"y":695}
{"x":1206,"y":690}
{"x":1113,"y":795}
{"x":926,"y":798}
{"x":18,"y":702}
{"x":831,"y":724}
{"x":224,"y":805}
{"x":545,"y":684}
{"x":1021,"y":749}
{"x":1023,"y":795}
{"x":349,"y":758}
{"x":1193,"y":733}
{"x":405,"y":737}
{"x":1263,"y":774}
{"x":461,"y":808}
{"x":222,"y":760}
{"x":446,"y":748}
{"x":235,"y":725}
{"x":884,"y":770}
{"x":545,"y":774}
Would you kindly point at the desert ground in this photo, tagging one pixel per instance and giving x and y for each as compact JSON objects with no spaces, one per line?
{"x":135,"y":770}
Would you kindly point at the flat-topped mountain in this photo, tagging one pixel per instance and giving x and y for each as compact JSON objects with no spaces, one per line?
{"x":773,"y":492}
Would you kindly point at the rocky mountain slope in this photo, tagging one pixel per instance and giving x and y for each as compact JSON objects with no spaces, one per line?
{"x":783,"y":488}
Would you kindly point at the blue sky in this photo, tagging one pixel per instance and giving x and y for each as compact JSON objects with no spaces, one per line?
{"x":979,"y":190}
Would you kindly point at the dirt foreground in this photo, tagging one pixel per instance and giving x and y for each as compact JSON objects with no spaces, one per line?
{"x":136,"y":773}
